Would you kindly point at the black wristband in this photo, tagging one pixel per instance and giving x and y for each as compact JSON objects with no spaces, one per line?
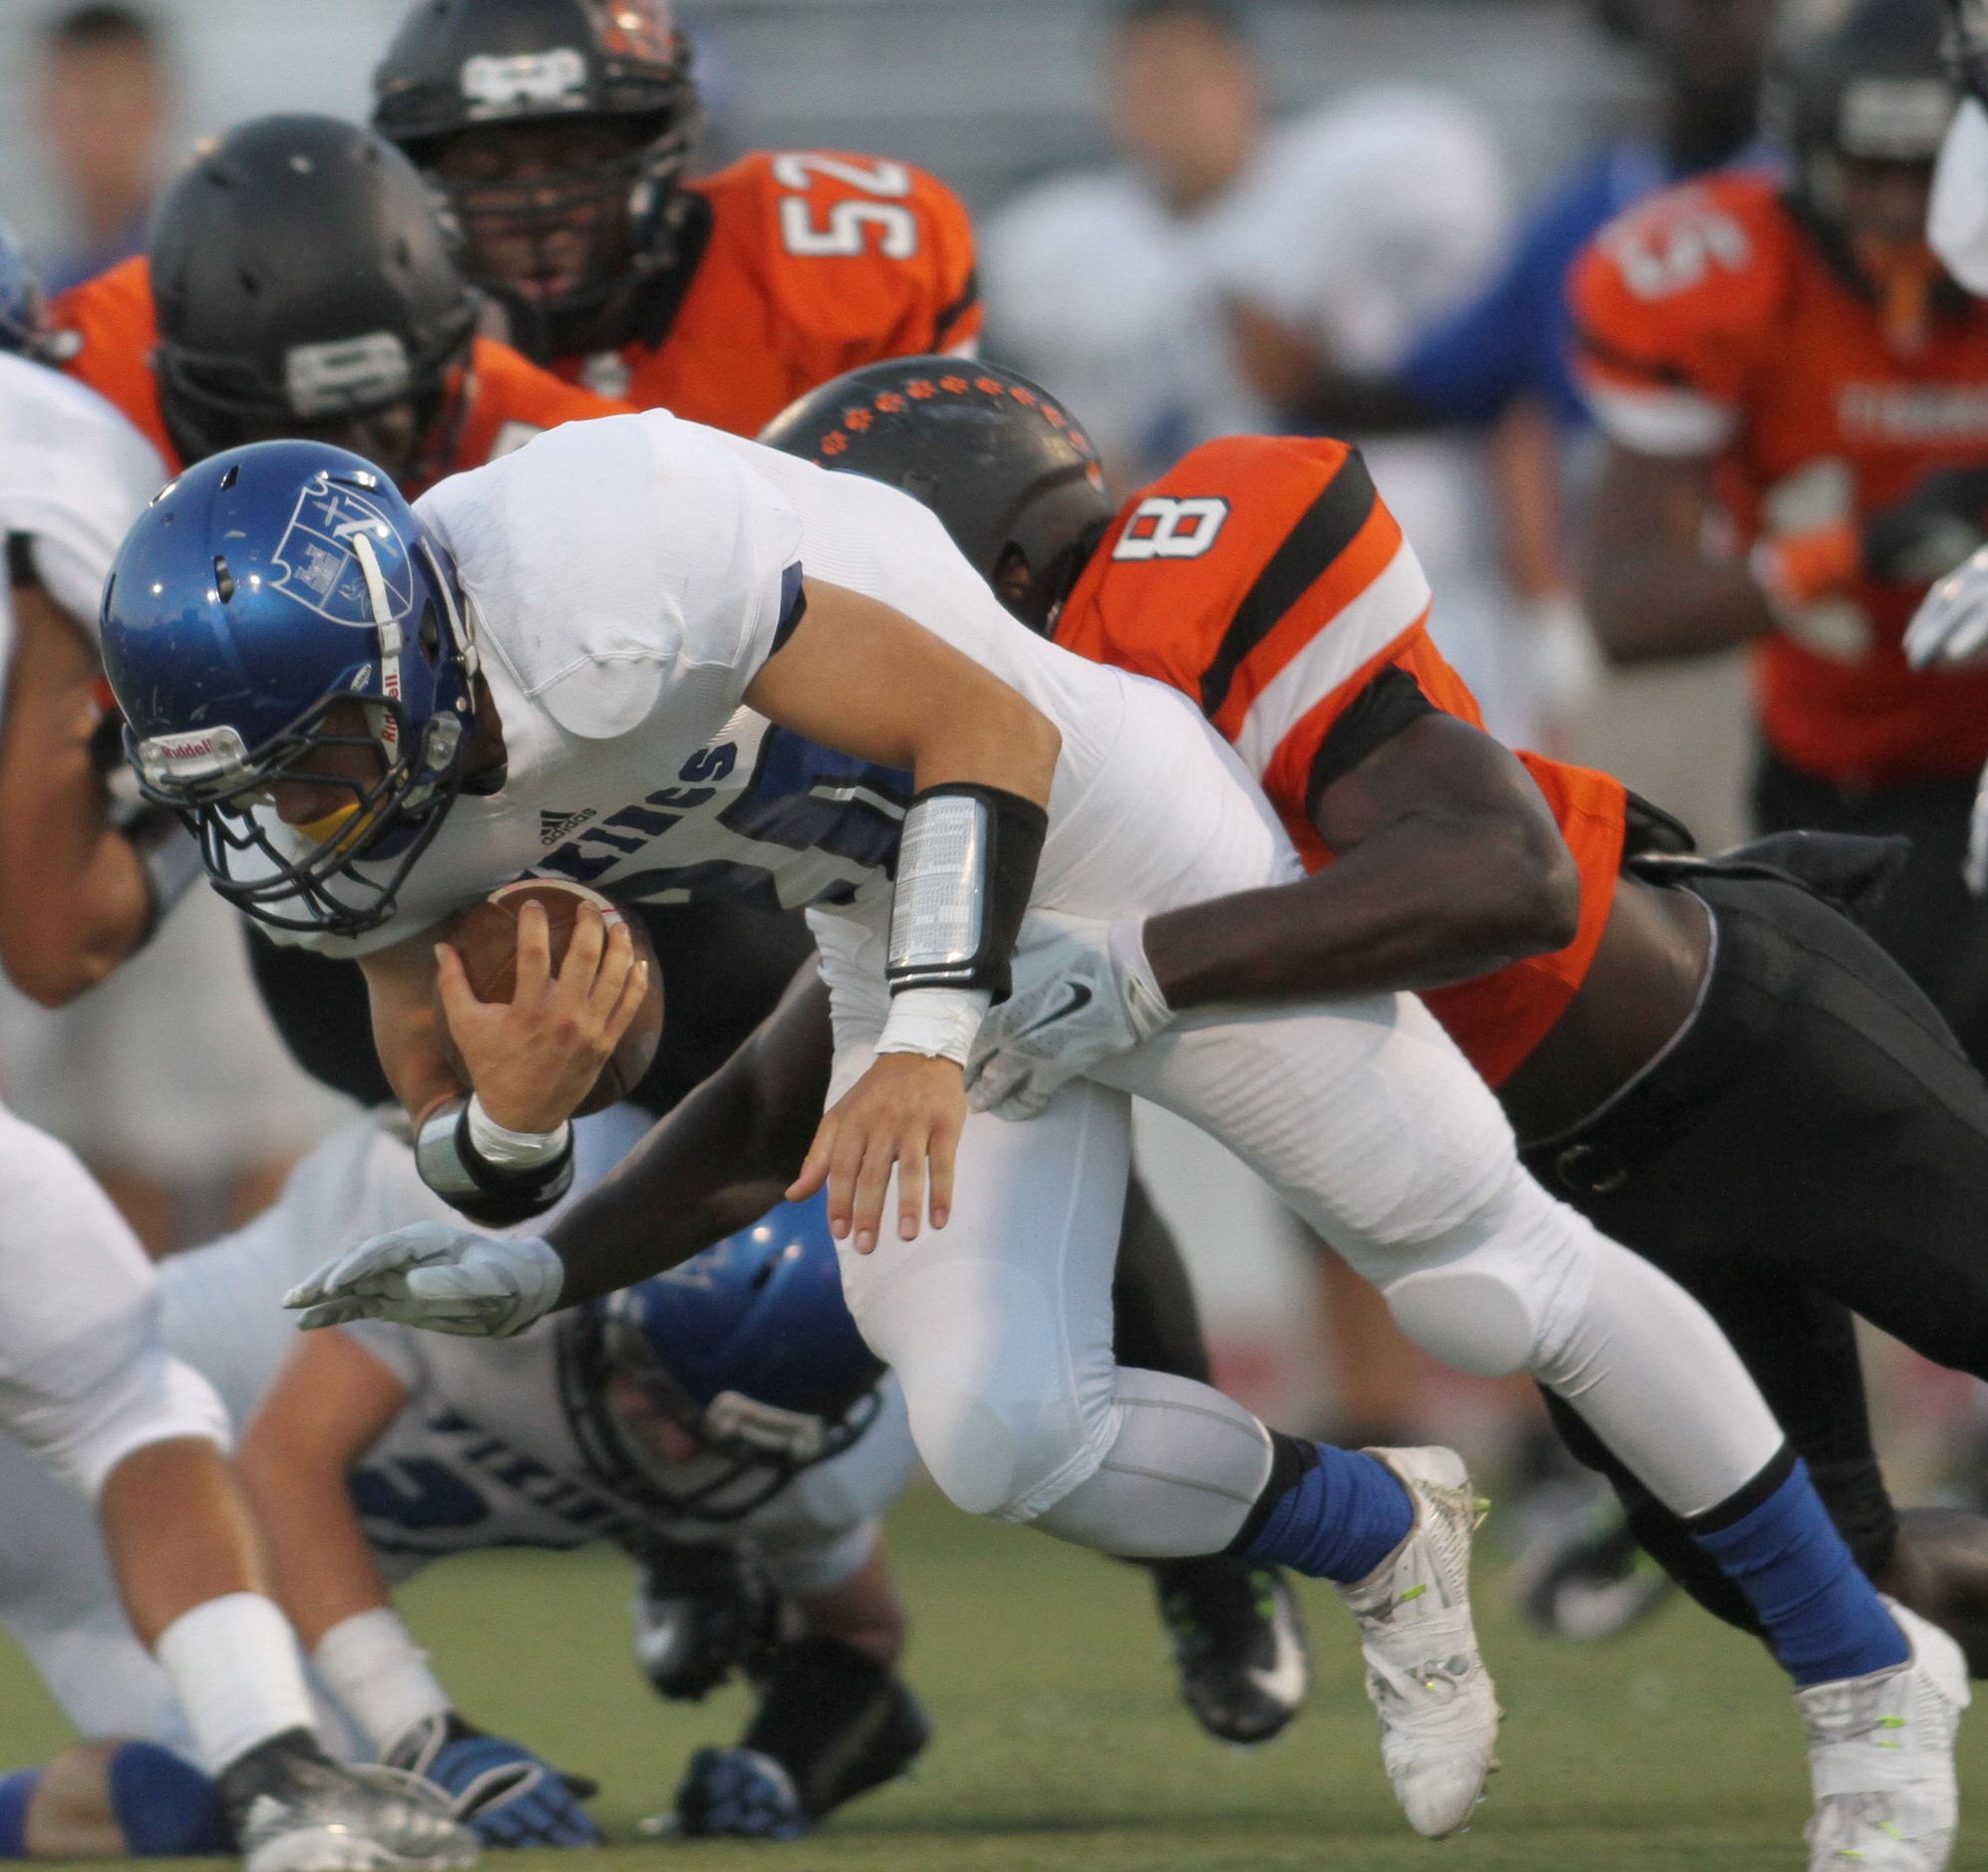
{"x":490,"y":1194}
{"x":966,"y":868}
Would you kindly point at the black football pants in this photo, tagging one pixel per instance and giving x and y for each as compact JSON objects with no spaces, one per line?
{"x":1928,"y":921}
{"x":1814,"y":1145}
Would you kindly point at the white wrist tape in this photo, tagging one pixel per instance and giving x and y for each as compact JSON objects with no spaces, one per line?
{"x":938,"y":1022}
{"x":509,"y":1150}
{"x":379,"y":1675}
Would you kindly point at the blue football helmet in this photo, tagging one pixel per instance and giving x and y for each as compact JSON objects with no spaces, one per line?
{"x":20,"y":297}
{"x":275,"y":602}
{"x":748,"y":1347}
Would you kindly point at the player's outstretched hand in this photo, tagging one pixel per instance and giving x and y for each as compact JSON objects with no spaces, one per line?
{"x":534,"y":1058}
{"x":905,"y":1113}
{"x":1083,"y":993}
{"x":438,"y":1276}
{"x":498,"y":1789}
{"x":1951,"y":623}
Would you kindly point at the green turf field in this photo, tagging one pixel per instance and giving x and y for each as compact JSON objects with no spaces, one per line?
{"x":1060,"y":1743}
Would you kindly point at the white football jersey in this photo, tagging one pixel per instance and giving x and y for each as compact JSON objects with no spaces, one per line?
{"x":74,"y":474}
{"x":485,"y":1454}
{"x":626,"y":578}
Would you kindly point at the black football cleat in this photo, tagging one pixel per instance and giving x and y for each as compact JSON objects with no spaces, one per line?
{"x":1238,"y":1642}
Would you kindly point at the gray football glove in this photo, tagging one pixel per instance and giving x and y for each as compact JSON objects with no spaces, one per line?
{"x":1951,"y":623}
{"x":1084,"y":994}
{"x":437,"y":1276}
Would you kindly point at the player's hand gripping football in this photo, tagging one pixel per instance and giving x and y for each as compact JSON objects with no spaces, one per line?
{"x":905,"y":1113}
{"x":437,"y":1275}
{"x":1084,"y":990}
{"x":534,"y":1058}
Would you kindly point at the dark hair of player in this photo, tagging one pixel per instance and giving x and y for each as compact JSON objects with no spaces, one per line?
{"x":1221,"y":16}
{"x":98,"y":27}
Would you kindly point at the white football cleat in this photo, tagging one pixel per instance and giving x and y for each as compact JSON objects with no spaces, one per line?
{"x":1880,"y":1758}
{"x":1439,"y":1712}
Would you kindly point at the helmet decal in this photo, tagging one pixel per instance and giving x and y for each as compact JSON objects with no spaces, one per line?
{"x":495,"y":85}
{"x":324,"y":572}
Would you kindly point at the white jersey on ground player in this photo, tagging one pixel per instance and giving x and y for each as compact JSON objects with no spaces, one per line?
{"x":481,"y":1453}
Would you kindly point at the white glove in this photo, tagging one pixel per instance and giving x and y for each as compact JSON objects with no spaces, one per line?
{"x":1083,"y":996}
{"x":1951,"y":623}
{"x":437,"y":1276}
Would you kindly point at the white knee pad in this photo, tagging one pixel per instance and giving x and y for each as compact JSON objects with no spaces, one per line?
{"x":1497,"y":1295}
{"x":1181,"y":1477}
{"x":1531,"y":1286}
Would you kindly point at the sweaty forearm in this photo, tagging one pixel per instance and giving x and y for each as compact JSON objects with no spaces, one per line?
{"x":718,"y":1163}
{"x":1432,"y":901}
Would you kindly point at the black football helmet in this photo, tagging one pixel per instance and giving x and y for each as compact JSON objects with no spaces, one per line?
{"x":997,"y":458}
{"x":301,"y":279}
{"x":1867,"y":84}
{"x":463,"y":65}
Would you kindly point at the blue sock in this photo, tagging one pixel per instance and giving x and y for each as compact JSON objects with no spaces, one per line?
{"x":167,"y":1807}
{"x":1822,"y":1618}
{"x":1342,"y":1516}
{"x":16,"y":1790}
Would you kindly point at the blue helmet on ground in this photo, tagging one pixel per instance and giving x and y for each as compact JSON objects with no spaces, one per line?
{"x":277,"y":608}
{"x":748,"y":1350}
{"x":20,"y":297}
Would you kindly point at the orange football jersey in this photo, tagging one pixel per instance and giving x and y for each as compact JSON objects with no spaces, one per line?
{"x":814,"y":265}
{"x":1265,"y":578}
{"x":1711,"y":324}
{"x":504,"y":398}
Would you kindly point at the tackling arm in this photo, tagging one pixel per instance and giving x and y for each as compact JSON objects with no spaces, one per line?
{"x":719,"y":1161}
{"x":1650,"y":588}
{"x":1449,"y":866}
{"x":715,"y":1163}
{"x":74,"y":899}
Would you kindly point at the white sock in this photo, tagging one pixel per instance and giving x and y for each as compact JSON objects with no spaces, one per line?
{"x":379,"y":1676}
{"x":235,"y":1663}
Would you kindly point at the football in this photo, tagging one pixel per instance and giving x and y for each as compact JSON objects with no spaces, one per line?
{"x":485,"y":937}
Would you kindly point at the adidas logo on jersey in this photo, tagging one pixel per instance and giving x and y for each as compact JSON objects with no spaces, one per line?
{"x":553,"y":827}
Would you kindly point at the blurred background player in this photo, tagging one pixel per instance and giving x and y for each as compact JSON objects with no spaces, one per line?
{"x":1790,"y":385}
{"x":1500,"y":361}
{"x":103,"y":85}
{"x":558,"y":134}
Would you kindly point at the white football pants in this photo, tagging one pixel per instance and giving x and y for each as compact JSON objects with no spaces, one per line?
{"x":1365,"y":1117}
